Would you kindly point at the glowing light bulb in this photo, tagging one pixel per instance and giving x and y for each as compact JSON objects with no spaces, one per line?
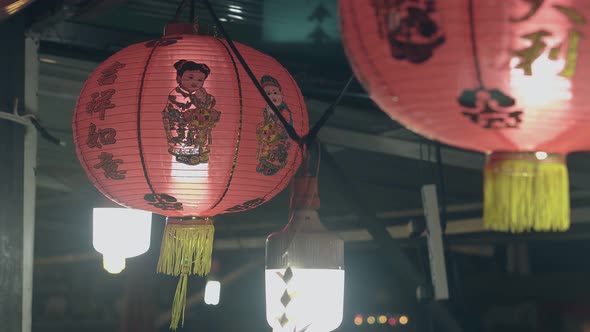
{"x":302,"y":306}
{"x":212,"y":292}
{"x":403,"y":319}
{"x":358,"y":320}
{"x":304,"y":289}
{"x":371,"y":320}
{"x":120,"y":233}
{"x":113,"y":263}
{"x":392,"y":321}
{"x":541,"y":155}
{"x":382,"y":319}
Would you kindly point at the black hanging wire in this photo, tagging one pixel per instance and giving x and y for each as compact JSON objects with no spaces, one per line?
{"x":290,"y":130}
{"x":311,"y":136}
{"x":306,"y":140}
{"x":313,"y":133}
{"x":179,"y":9}
{"x":192,"y":13}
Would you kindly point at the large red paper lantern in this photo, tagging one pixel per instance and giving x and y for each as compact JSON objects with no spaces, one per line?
{"x":176,"y":127}
{"x":507,"y":78}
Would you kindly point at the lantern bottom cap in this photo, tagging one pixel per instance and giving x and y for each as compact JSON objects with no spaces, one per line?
{"x":524,"y":193}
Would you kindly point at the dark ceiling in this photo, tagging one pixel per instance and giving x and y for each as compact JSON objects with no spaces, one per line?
{"x":370,"y":180}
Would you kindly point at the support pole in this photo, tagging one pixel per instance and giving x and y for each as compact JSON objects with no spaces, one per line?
{"x":436,"y":250}
{"x":29,"y":183}
{"x":12,"y":141}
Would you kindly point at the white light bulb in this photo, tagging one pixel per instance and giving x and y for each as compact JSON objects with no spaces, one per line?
{"x":120,"y":233}
{"x":541,"y":155}
{"x":113,"y":264}
{"x":212,"y":292}
{"x":314,"y":299}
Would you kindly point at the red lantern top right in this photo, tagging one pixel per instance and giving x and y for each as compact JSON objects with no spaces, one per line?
{"x":480,"y":75}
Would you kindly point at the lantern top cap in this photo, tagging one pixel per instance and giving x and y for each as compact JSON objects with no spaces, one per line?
{"x":178,"y":28}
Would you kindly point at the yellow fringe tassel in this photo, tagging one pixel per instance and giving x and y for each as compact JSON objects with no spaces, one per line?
{"x":522,"y":193}
{"x":179,"y":304}
{"x":186,"y":249}
{"x":187,"y":240}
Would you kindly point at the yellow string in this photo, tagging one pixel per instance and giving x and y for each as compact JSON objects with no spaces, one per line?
{"x":179,"y":303}
{"x":186,"y":249}
{"x":524,"y":194}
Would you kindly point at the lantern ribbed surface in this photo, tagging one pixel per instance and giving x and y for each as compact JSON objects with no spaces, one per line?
{"x":175,"y":126}
{"x":524,"y":89}
{"x":506,"y":78}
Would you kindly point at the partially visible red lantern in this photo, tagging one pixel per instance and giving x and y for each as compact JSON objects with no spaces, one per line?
{"x":507,"y":78}
{"x":175,"y":126}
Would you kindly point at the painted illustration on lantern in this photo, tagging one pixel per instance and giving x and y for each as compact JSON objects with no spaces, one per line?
{"x":273,"y":140}
{"x":536,"y":40}
{"x":490,"y":108}
{"x":411,"y":28}
{"x":190,"y":114}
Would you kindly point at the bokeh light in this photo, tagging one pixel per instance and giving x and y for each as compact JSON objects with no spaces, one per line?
{"x":403,"y":319}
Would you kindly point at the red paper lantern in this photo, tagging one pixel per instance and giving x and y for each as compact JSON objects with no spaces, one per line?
{"x":507,"y":78}
{"x":176,"y":127}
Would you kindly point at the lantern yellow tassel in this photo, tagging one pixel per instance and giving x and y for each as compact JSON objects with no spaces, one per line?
{"x":186,"y":249}
{"x":190,"y":239}
{"x":179,"y":304}
{"x":523,"y":193}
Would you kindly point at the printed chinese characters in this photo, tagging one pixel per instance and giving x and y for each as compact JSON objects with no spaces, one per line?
{"x":273,"y":140}
{"x":246,"y":205}
{"x":190,"y":114}
{"x":163,"y":201}
{"x":97,"y":138}
{"x":410,"y":27}
{"x":110,"y":166}
{"x":490,"y":108}
{"x":101,"y":101}
{"x":109,"y":75}
{"x":537,"y":45}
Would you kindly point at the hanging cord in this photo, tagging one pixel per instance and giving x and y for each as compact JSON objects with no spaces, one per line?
{"x":181,"y":5}
{"x":310,"y":137}
{"x":305,"y":140}
{"x":290,"y":130}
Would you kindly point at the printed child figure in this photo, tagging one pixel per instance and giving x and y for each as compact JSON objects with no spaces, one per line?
{"x":273,"y":140}
{"x":190,"y":116}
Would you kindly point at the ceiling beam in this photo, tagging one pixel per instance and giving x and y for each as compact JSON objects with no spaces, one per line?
{"x":401,"y":148}
{"x":411,"y":150}
{"x":47,"y":182}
